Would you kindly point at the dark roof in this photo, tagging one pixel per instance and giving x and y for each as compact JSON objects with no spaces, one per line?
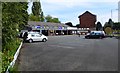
{"x":37,"y":23}
{"x":85,"y":13}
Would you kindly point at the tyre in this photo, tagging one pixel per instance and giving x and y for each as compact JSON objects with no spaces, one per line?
{"x":30,"y":40}
{"x":87,"y":37}
{"x":44,"y":40}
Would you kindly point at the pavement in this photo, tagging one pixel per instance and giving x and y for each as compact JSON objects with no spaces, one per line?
{"x":70,"y":53}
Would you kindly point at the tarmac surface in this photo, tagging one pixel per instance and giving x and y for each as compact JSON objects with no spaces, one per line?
{"x":70,"y":53}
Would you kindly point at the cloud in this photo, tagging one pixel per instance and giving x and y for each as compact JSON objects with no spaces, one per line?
{"x":77,"y":1}
{"x":66,"y":3}
{"x":69,"y":10}
{"x":106,"y":16}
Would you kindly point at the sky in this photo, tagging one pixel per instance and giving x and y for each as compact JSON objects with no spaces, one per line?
{"x":69,"y":10}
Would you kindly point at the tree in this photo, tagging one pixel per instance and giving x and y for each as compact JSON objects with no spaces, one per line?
{"x":98,"y":26}
{"x":108,"y":30}
{"x":33,"y":18}
{"x":110,"y":23}
{"x":116,"y":26}
{"x":14,"y":17}
{"x":55,"y":20}
{"x":36,"y":8}
{"x":37,"y":11}
{"x":42,"y":17}
{"x":23,"y":15}
{"x":78,"y":25}
{"x":69,"y":24}
{"x":49,"y":18}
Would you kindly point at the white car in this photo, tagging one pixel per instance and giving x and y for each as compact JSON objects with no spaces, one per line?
{"x":36,"y":37}
{"x":95,"y":34}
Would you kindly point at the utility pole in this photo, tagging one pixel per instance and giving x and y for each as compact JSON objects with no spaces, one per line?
{"x":112,"y":13}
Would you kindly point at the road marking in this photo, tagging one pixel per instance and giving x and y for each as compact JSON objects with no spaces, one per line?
{"x":61,"y":46}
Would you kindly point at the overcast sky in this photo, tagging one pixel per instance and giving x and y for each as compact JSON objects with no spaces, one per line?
{"x":69,"y":10}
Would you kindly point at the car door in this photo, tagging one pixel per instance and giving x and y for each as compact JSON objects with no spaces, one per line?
{"x":33,"y":37}
{"x":38,"y":37}
{"x":92,"y":35}
{"x":96,"y":35}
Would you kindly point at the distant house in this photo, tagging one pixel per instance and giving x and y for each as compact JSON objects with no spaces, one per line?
{"x":87,"y":20}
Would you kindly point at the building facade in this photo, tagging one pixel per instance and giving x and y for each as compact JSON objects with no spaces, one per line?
{"x":119,"y":11}
{"x":48,"y":28}
{"x":87,"y":20}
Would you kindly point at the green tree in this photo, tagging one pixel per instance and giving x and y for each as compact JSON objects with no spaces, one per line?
{"x":37,"y":11}
{"x":42,"y":17}
{"x":33,"y":18}
{"x":69,"y":24}
{"x":110,"y":22}
{"x":78,"y":25}
{"x":23,"y":15}
{"x":36,"y":8}
{"x":14,"y":16}
{"x":98,"y":26}
{"x":116,"y":26}
{"x":55,"y":20}
{"x":48,"y":18}
{"x":108,"y":30}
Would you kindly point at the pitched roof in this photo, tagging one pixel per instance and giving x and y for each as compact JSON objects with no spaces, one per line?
{"x":85,"y":13}
{"x":36,"y":23}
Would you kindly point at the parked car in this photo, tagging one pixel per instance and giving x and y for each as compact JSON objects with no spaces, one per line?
{"x":22,"y":34}
{"x":36,"y":37}
{"x":95,"y":34}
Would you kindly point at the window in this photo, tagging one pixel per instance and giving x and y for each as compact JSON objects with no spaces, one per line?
{"x":37,"y":35}
{"x":97,"y":33}
{"x":92,"y":33}
{"x":33,"y":35}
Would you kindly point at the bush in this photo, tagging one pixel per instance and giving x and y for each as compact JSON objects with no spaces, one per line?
{"x":0,"y":62}
{"x":14,"y":16}
{"x":8,"y":56}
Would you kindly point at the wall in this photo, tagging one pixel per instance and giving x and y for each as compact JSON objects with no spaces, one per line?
{"x":87,"y":21}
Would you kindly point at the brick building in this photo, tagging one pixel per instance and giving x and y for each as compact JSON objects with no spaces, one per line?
{"x":87,"y":20}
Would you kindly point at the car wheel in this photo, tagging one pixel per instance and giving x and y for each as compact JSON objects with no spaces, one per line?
{"x":30,"y":40}
{"x":87,"y":37}
{"x":44,"y":40}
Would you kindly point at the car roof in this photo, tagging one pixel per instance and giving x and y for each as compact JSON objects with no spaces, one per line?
{"x":33,"y":32}
{"x":98,"y":31}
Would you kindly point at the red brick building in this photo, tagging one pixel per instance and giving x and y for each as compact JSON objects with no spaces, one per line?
{"x":87,"y":20}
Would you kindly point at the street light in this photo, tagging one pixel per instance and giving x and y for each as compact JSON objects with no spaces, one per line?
{"x":112,"y":12}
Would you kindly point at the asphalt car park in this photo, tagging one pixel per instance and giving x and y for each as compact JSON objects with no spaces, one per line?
{"x":70,"y":53}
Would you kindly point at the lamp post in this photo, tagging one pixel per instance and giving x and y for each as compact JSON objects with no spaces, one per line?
{"x":112,"y":12}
